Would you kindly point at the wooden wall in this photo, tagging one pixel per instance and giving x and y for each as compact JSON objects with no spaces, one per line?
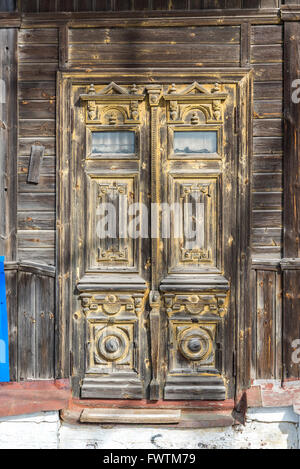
{"x":260,"y":46}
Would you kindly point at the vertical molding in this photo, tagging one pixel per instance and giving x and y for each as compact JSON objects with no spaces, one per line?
{"x":63,"y":46}
{"x":245,"y":44}
{"x":291,"y":263}
{"x":8,"y":144}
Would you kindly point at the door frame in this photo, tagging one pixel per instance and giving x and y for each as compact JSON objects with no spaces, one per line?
{"x":242,"y":78}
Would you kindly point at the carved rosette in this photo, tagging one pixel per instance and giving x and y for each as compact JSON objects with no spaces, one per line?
{"x":196,"y":343}
{"x":112,"y":344}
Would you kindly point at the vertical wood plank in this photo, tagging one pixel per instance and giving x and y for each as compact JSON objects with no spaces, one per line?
{"x":8,"y":143}
{"x":291,"y":297}
{"x":26,"y":326}
{"x":45,"y":327}
{"x":11,"y":277}
{"x":266,"y":323}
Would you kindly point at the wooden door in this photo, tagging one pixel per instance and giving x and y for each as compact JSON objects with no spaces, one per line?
{"x":153,"y":217}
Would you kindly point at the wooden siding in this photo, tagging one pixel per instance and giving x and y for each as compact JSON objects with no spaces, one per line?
{"x":38,"y":52}
{"x":39,"y":62}
{"x":140,"y":5}
{"x":267,"y":58}
{"x":31,"y":306}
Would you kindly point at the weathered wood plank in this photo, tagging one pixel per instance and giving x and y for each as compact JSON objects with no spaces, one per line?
{"x":45,"y":326}
{"x":268,"y":201}
{"x":146,"y":54}
{"x":291,"y":297}
{"x":267,"y":127}
{"x":266,"y":325}
{"x":36,"y":90}
{"x":8,"y":143}
{"x":37,"y":221}
{"x":25,"y":145}
{"x":46,"y":184}
{"x":147,"y":36}
{"x":264,"y":109}
{"x":26,"y":326}
{"x":43,"y":256}
{"x":37,"y":109}
{"x":34,"y":202}
{"x":36,"y":158}
{"x":38,"y":36}
{"x":267,"y":34}
{"x":11,"y":278}
{"x":36,"y":239}
{"x":38,"y":53}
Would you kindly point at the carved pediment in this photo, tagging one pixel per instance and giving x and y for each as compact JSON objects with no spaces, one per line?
{"x":195,"y":88}
{"x":195,"y":103}
{"x":113,"y":104}
{"x":113,"y":89}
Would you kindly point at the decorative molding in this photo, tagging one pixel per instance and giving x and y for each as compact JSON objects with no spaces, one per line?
{"x":205,"y":305}
{"x":208,"y":100}
{"x":290,"y":12}
{"x":207,"y":17}
{"x":100,"y":306}
{"x":112,"y":105}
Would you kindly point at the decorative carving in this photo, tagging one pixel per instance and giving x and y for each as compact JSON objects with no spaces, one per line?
{"x":92,"y":110}
{"x":113,"y":255}
{"x":193,"y":99}
{"x":174,"y":110}
{"x":195,"y":343}
{"x":134,"y":89}
{"x":195,"y":119}
{"x":193,"y":347}
{"x":99,"y":306}
{"x":154,"y":92}
{"x":217,"y":108}
{"x":114,"y":103}
{"x":209,"y":305}
{"x":195,"y":255}
{"x":92,"y":90}
{"x":134,"y":108}
{"x":113,"y":344}
{"x":112,"y":120}
{"x":173,"y":89}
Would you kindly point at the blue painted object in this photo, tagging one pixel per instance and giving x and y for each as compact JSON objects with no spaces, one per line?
{"x":4,"y":349}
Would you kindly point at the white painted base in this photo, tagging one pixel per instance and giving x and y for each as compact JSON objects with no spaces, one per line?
{"x":265,"y":429}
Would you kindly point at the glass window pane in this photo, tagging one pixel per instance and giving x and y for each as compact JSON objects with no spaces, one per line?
{"x":195,"y":142}
{"x":122,"y":142}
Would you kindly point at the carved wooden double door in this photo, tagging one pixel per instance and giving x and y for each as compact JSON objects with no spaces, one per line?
{"x":154,"y":231}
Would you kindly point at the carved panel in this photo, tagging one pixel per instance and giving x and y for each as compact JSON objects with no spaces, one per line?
{"x":113,"y":328}
{"x":192,"y":347}
{"x":102,"y":306}
{"x":208,"y":306}
{"x":194,"y":228}
{"x":111,"y":348}
{"x":109,"y":222}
